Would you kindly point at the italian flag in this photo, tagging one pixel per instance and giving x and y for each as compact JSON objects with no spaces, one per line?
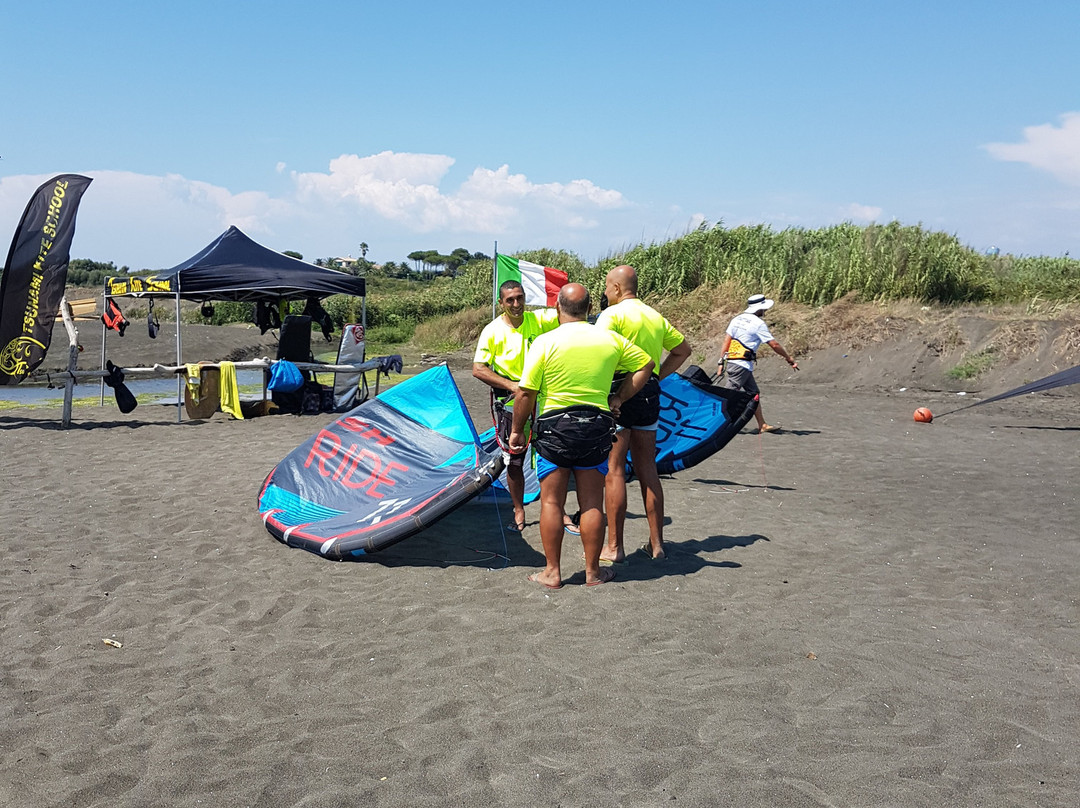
{"x":541,"y":284}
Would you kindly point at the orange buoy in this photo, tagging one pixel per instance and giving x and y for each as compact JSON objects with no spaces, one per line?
{"x":923,"y":415}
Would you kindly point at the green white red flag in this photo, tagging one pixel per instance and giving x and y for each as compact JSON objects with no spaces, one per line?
{"x":541,"y":284}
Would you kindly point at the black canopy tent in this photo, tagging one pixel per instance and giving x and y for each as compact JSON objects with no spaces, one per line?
{"x":236,"y":268}
{"x":233,"y":267}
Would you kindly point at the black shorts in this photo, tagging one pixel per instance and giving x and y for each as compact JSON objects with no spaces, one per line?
{"x":504,"y":424}
{"x":574,"y":437}
{"x":644,"y":408}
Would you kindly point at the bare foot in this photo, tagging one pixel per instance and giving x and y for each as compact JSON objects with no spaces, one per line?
{"x":654,"y":554}
{"x":769,"y":428}
{"x":539,"y":578}
{"x":605,"y":575}
{"x":618,"y":557}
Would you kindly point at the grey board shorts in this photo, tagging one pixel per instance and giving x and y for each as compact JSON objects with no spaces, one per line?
{"x":739,"y":378}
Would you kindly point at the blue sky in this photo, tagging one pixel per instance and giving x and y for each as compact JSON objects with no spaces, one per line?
{"x":581,"y":126}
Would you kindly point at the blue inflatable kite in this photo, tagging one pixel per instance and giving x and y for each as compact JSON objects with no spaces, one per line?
{"x":380,"y":473}
{"x":697,"y":419}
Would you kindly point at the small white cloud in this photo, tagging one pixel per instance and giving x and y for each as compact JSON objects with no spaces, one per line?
{"x":696,"y":220}
{"x":861,"y":213}
{"x":1054,"y":149}
{"x":405,"y":189}
{"x":280,"y":167}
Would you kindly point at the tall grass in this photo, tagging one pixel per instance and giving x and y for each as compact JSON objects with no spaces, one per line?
{"x":814,"y":267}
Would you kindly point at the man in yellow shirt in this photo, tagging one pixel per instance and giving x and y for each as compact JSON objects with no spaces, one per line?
{"x":499,"y":358}
{"x":649,"y":330}
{"x":570,"y":370}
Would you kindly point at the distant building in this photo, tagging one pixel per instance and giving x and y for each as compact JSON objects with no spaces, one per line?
{"x":345,"y":261}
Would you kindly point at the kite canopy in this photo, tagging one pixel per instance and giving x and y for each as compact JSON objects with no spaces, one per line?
{"x":397,"y":464}
{"x":380,"y":473}
{"x":697,"y":419}
{"x":233,"y":267}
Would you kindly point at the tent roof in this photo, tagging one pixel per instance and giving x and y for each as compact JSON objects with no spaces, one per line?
{"x":234,"y":267}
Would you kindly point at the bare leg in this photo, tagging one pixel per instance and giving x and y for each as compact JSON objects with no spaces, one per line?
{"x":590,"y":493}
{"x":643,"y":450}
{"x":615,"y":497}
{"x":552,"y":499}
{"x":515,"y":484}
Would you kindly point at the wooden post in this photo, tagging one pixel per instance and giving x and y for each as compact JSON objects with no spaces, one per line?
{"x":73,"y":359}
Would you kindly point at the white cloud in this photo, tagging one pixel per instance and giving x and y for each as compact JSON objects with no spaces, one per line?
{"x":405,"y":188}
{"x":1054,"y":149}
{"x":696,"y":221}
{"x":386,"y":199}
{"x":861,"y":213}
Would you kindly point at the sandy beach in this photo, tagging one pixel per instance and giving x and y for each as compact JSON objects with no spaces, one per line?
{"x":859,"y":611}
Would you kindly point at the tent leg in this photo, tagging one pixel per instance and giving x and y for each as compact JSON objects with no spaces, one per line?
{"x":179,"y":360}
{"x":104,"y":331}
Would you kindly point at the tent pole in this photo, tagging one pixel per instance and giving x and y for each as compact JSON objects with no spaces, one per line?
{"x":179,"y":358}
{"x":104,"y":331}
{"x":494,"y":280}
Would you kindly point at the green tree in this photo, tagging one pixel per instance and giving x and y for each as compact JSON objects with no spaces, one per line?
{"x":84,"y":272}
{"x":417,"y":256}
{"x":458,"y":258}
{"x":293,"y":254}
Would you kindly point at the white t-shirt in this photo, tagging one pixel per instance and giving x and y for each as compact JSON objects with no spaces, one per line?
{"x":751,"y":331}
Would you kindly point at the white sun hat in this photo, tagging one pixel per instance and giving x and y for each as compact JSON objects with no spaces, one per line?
{"x":757,"y":303}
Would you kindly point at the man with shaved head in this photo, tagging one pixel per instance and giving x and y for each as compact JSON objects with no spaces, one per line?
{"x":569,"y":372}
{"x":649,"y":330}
{"x":499,"y":358}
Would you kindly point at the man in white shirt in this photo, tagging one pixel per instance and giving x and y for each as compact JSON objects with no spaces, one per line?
{"x":745,"y":334}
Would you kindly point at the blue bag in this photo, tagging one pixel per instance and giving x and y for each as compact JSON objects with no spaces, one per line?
{"x":285,"y":377}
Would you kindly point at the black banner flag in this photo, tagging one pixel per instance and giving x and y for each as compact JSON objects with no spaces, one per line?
{"x":35,"y":274}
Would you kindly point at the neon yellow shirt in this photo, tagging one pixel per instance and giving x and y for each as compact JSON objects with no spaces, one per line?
{"x":573,"y":366}
{"x":503,"y":348}
{"x":642,"y":325}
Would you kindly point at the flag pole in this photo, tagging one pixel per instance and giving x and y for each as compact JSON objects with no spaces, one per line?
{"x":495,"y":280}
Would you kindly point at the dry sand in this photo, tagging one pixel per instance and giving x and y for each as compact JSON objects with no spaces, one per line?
{"x":861,"y":611}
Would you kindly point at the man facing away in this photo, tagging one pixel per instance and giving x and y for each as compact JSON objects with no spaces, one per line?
{"x":649,"y":330}
{"x":499,"y":358}
{"x":745,"y":334}
{"x":569,"y":371}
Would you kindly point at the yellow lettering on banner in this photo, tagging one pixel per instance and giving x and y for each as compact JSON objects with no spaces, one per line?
{"x":33,"y":303}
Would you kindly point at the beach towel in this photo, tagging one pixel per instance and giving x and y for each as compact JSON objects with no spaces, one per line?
{"x":194,"y":381}
{"x":230,"y":391}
